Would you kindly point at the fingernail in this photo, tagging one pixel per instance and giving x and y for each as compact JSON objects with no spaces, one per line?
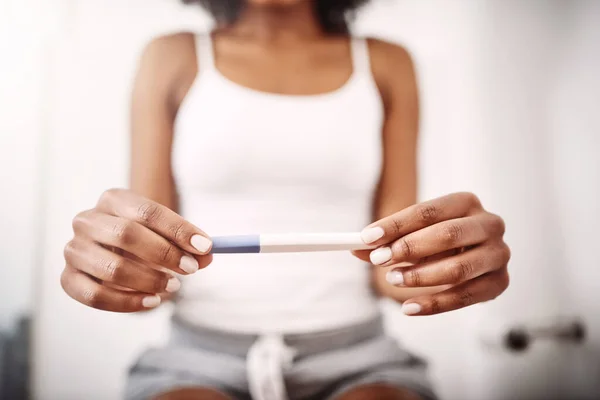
{"x":173,"y":285}
{"x":381,"y":255}
{"x":395,"y":278}
{"x":189,"y":264}
{"x":411,"y":308}
{"x":151,"y":301}
{"x":201,"y":243}
{"x":370,"y":235}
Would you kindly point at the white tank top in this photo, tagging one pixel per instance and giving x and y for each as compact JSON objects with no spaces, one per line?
{"x":251,"y":162}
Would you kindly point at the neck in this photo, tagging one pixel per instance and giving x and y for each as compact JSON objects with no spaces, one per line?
{"x":281,"y":23}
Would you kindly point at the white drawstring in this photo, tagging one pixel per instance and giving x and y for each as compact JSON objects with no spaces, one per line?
{"x":267,"y":360}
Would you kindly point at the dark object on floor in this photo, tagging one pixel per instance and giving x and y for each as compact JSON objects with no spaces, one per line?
{"x":14,"y":362}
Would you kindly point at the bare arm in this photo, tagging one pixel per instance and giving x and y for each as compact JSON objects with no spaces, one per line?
{"x":443,"y":254}
{"x":126,"y":250}
{"x":394,"y":71}
{"x":156,"y":96}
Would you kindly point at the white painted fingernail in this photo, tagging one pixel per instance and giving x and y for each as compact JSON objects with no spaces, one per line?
{"x":173,"y":285}
{"x":151,"y":301}
{"x":189,"y":264}
{"x":200,"y":243}
{"x":381,"y":255}
{"x":370,"y":235}
{"x":411,"y":308}
{"x":395,"y":278}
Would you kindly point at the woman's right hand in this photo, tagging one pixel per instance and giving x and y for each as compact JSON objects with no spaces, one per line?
{"x":122,"y":249}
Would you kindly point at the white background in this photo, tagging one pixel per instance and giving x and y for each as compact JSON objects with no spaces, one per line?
{"x":510,"y":110}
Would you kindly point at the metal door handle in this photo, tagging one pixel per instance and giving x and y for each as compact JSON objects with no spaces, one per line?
{"x":520,"y":338}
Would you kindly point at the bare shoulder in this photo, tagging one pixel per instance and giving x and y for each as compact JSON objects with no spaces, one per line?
{"x":168,"y":64}
{"x":387,"y":55}
{"x":170,"y":49}
{"x":392,"y":65}
{"x":175,"y":44}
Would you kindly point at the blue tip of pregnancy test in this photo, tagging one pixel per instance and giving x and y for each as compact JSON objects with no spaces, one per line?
{"x":242,"y":244}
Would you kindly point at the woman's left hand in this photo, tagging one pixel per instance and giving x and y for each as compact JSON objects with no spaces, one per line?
{"x":452,"y":241}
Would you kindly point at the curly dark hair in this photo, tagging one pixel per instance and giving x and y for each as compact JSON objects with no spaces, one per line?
{"x":334,"y":15}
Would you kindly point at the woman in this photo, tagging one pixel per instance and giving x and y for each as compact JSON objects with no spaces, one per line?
{"x":279,"y":121}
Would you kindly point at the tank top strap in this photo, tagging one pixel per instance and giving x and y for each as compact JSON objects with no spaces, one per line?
{"x":205,"y":52}
{"x":360,"y":55}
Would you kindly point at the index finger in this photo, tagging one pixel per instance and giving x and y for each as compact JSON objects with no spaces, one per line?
{"x":419,"y":216}
{"x":156,"y":217}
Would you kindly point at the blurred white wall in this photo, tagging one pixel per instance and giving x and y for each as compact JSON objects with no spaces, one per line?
{"x":510,"y":100}
{"x":21,"y":124}
{"x":544,"y":139}
{"x":575,"y":127}
{"x":78,"y":352}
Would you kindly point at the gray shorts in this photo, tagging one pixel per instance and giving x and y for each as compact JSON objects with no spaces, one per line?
{"x":324,"y":365}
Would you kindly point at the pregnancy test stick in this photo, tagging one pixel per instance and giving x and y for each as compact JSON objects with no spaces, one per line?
{"x":288,"y":243}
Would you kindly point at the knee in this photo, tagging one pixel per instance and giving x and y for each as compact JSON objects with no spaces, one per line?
{"x":379,"y":392}
{"x":193,"y":394}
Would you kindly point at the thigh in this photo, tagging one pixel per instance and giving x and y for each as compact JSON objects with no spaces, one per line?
{"x":193,"y":394}
{"x":375,"y":367}
{"x":187,"y":373}
{"x":378,"y":392}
